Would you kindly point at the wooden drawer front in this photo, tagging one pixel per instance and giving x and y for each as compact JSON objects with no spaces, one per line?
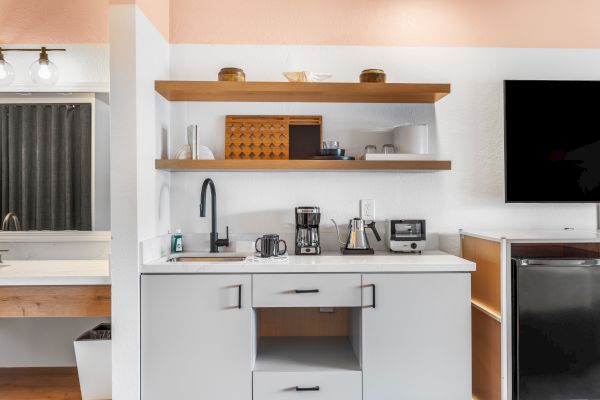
{"x":346,"y":385}
{"x":306,"y":290}
{"x":55,"y":301}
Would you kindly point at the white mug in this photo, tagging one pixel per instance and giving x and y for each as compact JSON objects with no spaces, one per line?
{"x":412,"y":139}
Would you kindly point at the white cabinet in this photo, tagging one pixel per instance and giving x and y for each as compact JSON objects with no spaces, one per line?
{"x":197,"y":337}
{"x":416,"y":341}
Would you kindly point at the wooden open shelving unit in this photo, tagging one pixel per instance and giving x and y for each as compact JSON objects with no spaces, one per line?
{"x":322,"y":92}
{"x":54,"y":383}
{"x":300,"y":165}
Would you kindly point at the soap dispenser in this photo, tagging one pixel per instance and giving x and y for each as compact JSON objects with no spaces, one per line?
{"x":177,"y":242}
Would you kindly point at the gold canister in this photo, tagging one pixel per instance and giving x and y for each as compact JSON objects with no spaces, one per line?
{"x":232,"y":74}
{"x":373,"y":75}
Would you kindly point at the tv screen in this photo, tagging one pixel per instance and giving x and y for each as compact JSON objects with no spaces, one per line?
{"x":552,"y":141}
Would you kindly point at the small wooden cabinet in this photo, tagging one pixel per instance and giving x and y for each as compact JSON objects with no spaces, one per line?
{"x":196,"y":337}
{"x":416,"y":336}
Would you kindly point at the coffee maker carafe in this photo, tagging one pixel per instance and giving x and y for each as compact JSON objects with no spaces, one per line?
{"x":307,"y":230}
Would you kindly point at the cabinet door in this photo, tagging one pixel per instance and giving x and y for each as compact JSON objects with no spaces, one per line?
{"x":417,"y":338}
{"x":196,"y":341}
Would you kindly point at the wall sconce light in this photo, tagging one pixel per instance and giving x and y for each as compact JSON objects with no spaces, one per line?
{"x":42,"y":71}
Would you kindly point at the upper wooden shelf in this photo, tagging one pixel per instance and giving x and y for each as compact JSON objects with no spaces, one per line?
{"x":302,"y":92}
{"x":301,"y":165}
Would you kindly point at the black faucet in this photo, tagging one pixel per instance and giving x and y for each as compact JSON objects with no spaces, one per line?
{"x":215,"y":242}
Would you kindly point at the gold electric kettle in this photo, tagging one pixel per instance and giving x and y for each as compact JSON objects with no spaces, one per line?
{"x":357,"y":241}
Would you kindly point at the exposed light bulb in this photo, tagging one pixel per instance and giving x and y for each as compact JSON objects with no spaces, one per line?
{"x":43,"y":71}
{"x":7,"y":73}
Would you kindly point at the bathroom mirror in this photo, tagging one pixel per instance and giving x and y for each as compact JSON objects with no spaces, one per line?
{"x":54,"y":162}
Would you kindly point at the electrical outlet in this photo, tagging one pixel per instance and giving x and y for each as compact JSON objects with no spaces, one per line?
{"x":367,"y":209}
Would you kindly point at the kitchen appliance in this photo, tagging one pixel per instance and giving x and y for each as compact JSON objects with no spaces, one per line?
{"x":551,"y":141}
{"x":405,"y":235}
{"x":555,"y":329}
{"x":269,"y":246}
{"x":307,"y":230}
{"x":357,"y":241}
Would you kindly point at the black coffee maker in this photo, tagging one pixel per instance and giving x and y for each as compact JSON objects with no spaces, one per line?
{"x":307,"y":230}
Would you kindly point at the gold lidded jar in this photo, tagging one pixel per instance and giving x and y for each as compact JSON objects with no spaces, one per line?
{"x":373,"y":75}
{"x":232,"y":74}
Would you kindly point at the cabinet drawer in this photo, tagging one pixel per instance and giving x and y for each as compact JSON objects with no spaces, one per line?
{"x":306,"y":290}
{"x":323,"y":385}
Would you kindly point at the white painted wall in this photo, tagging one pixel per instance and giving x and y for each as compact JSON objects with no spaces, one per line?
{"x":139,"y":193}
{"x":466,"y":127}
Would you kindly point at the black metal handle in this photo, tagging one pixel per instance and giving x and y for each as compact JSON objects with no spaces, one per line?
{"x":307,"y":290}
{"x":372,"y":226}
{"x":372,"y":285}
{"x":307,"y":389}
{"x":240,"y":296}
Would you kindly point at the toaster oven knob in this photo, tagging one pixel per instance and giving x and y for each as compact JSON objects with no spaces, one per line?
{"x":413,"y":245}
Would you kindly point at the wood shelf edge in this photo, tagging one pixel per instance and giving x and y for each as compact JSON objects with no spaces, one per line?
{"x":487,"y":310}
{"x":328,"y":92}
{"x":301,"y":165}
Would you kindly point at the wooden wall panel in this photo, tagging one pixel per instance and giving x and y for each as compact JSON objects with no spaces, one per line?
{"x":303,"y":322}
{"x":485,"y":281}
{"x":55,"y":301}
{"x":486,"y":338}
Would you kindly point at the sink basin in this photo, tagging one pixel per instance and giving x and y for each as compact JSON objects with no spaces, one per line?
{"x":207,"y":259}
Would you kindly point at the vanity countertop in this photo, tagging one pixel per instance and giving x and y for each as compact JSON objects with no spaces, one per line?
{"x":54,"y":272}
{"x":333,"y":262}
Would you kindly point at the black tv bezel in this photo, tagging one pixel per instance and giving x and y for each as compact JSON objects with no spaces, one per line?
{"x":506,"y":200}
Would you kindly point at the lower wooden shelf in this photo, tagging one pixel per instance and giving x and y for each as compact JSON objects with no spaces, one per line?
{"x":55,"y":301}
{"x":56,"y":383}
{"x":302,"y":165}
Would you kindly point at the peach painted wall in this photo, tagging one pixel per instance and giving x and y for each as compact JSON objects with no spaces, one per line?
{"x":468,"y":23}
{"x":53,"y":21}
{"x":157,"y":11}
{"x":69,"y":21}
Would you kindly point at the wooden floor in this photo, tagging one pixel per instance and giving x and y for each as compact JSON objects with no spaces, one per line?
{"x":39,"y":384}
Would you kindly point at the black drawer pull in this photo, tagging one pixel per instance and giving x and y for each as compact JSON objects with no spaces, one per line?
{"x":239,"y":296}
{"x":307,"y":290}
{"x":307,"y":389}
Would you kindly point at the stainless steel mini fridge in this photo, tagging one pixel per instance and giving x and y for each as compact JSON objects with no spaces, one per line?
{"x":556,"y":329}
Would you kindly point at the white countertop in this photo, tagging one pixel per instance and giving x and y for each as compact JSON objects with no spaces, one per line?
{"x":535,"y":236}
{"x":429,"y":261}
{"x":54,"y":272}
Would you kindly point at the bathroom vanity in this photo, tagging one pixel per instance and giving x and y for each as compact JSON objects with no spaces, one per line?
{"x":326,"y":327}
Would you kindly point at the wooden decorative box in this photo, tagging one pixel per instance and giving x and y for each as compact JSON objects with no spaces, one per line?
{"x":258,"y":137}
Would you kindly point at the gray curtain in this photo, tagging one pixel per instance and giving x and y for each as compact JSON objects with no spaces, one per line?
{"x":45,"y":165}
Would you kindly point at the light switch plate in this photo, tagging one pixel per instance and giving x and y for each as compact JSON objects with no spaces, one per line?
{"x":367,"y":209}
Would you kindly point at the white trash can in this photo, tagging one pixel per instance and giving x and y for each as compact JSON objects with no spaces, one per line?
{"x":94,"y":362}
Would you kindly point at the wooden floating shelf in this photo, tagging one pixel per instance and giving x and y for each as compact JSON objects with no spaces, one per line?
{"x":328,"y":92}
{"x":301,"y":165}
{"x":52,"y":383}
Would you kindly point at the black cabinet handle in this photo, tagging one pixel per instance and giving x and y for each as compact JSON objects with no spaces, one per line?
{"x":240,"y":296}
{"x":372,"y":285}
{"x":307,"y":290}
{"x":307,"y":389}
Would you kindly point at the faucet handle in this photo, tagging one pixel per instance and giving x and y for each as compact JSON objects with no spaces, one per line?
{"x":2,"y":250}
{"x":223,"y":242}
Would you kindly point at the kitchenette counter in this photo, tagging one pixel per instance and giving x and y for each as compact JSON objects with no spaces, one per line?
{"x":329,"y":262}
{"x":54,"y":272}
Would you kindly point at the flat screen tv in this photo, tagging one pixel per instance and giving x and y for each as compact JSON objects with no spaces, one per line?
{"x":552,"y":141}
